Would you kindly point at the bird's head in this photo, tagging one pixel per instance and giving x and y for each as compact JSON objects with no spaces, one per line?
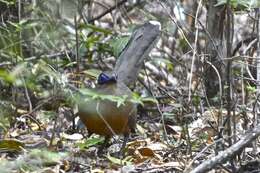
{"x":104,"y":78}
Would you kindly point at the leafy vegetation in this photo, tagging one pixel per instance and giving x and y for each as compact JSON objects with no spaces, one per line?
{"x":197,"y":92}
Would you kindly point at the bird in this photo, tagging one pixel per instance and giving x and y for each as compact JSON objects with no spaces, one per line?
{"x":106,"y":117}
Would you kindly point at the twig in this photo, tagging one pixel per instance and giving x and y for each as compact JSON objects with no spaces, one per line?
{"x":27,"y":95}
{"x":175,"y":22}
{"x":53,"y":132}
{"x":223,"y":156}
{"x":103,"y":119}
{"x":220,"y":84}
{"x":32,"y":119}
{"x":55,"y":55}
{"x":195,"y":48}
{"x":77,"y":43}
{"x":200,"y":154}
{"x":107,"y":11}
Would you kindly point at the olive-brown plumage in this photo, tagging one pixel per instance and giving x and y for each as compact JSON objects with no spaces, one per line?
{"x":103,"y":116}
{"x":120,"y":119}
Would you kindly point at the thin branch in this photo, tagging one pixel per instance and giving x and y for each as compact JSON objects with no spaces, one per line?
{"x":107,"y":11}
{"x":195,"y":47}
{"x":223,"y":156}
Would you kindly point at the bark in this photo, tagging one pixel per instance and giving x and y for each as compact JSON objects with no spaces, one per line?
{"x":214,"y":49}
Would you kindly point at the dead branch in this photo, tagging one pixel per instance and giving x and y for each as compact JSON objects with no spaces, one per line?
{"x":229,"y":152}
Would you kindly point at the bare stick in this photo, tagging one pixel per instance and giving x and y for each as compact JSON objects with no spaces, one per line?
{"x":223,"y":156}
{"x":107,"y":11}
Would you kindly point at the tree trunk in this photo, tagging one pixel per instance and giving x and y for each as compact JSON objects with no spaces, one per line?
{"x":214,"y":49}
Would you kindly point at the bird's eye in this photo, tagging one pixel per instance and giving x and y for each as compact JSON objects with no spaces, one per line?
{"x":115,"y":76}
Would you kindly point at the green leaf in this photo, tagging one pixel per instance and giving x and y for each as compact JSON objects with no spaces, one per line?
{"x":196,"y":100}
{"x":6,"y":76}
{"x":90,"y":142}
{"x":95,"y":28}
{"x":149,"y":99}
{"x":136,"y":98}
{"x":92,"y":94}
{"x":32,"y":161}
{"x":119,"y":99}
{"x":118,"y":44}
{"x":255,"y":4}
{"x":9,"y":2}
{"x":11,"y":145}
{"x":251,"y":88}
{"x":125,"y":161}
{"x":168,"y":114}
{"x":88,"y":92}
{"x":14,"y":75}
{"x":240,"y":4}
{"x":164,"y":61}
{"x":91,"y":41}
{"x":92,"y":72}
{"x":46,"y":156}
{"x":7,"y":112}
{"x":141,"y":100}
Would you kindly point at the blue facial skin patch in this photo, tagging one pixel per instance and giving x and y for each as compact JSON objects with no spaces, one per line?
{"x":103,"y":79}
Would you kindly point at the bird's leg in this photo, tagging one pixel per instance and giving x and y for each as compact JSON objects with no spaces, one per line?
{"x":104,"y":145}
{"x":122,"y":152}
